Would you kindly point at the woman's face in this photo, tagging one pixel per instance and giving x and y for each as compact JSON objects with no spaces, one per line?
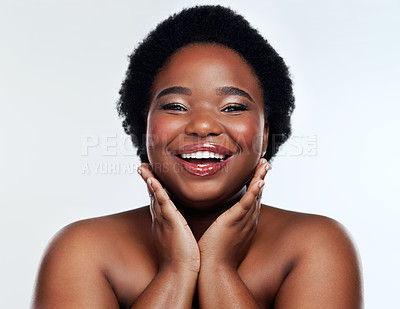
{"x":205,"y":126}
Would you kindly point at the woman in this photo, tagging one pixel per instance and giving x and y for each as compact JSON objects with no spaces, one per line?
{"x":207,"y":102}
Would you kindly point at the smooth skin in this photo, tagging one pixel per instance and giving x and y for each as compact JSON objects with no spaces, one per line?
{"x":225,"y":243}
{"x":203,"y":241}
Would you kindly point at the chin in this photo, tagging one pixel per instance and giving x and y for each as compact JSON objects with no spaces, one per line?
{"x":206,"y":196}
{"x":216,"y":191}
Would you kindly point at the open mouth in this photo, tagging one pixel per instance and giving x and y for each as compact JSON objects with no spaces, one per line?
{"x":203,"y":159}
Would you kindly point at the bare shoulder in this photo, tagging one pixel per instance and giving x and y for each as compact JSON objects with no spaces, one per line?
{"x":73,"y":272}
{"x":324,"y":265}
{"x":307,"y":234}
{"x":96,"y":235}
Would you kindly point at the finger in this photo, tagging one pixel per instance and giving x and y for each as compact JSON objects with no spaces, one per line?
{"x":145,"y":172}
{"x":246,"y":205}
{"x":167,"y":209}
{"x":251,"y":194}
{"x":249,"y":223}
{"x":159,"y":192}
{"x":163,"y":206}
{"x":154,"y":205}
{"x":258,"y":169}
{"x":254,"y":197}
{"x":257,"y":208}
{"x":152,"y":212}
{"x":261,"y":171}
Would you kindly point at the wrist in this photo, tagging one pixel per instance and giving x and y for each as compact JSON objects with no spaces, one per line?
{"x":179,"y":271}
{"x":217,"y":266}
{"x":219,"y":262}
{"x":215,"y":272}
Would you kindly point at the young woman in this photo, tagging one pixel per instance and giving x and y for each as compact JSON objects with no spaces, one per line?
{"x":207,"y":102}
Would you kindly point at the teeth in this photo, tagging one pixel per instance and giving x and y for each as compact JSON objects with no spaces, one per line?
{"x":202,"y":155}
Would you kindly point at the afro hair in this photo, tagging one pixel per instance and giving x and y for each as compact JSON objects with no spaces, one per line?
{"x":206,"y":24}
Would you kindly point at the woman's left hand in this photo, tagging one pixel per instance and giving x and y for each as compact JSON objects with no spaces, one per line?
{"x":227,"y":240}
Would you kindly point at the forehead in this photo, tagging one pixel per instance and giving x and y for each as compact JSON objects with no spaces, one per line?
{"x":207,"y":66}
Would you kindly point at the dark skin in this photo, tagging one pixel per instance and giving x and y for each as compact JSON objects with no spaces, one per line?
{"x":204,"y":240}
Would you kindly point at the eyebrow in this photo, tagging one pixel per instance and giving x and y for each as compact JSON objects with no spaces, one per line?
{"x":234,"y":91}
{"x":228,"y":90}
{"x":178,"y":90}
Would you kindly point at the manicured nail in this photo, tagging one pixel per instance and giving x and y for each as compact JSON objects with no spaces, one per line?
{"x":261,"y":184}
{"x":149,"y":182}
{"x":139,"y":170}
{"x":262,"y":161}
{"x":268,"y":167}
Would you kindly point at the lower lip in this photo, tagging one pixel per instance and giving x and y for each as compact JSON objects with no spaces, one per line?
{"x":202,"y":169}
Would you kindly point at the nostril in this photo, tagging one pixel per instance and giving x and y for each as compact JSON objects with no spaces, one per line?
{"x":204,"y":129}
{"x":203,"y":135}
{"x":203,"y":123}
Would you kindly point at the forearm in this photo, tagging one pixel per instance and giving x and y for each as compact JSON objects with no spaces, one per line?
{"x":222,"y":287}
{"x":168,"y":289}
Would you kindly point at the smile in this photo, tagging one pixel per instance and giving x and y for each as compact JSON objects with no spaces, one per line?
{"x":203,"y":159}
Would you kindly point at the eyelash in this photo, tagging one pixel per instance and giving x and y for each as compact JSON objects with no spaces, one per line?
{"x":180,"y":107}
{"x":174,"y":106}
{"x":236,"y":107}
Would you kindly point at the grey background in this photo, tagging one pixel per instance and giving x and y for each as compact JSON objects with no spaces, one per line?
{"x":64,"y":156}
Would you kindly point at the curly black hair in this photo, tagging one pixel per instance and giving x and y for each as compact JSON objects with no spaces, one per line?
{"x":206,"y":24}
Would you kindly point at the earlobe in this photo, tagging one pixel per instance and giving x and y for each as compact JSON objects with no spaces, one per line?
{"x":265,"y":139}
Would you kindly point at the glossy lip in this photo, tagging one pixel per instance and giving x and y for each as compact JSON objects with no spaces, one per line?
{"x":213,"y":147}
{"x":203,"y":169}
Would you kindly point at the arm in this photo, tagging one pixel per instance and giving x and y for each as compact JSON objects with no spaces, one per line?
{"x":221,"y":287}
{"x":73,"y":273}
{"x":224,"y":246}
{"x":326,"y":273}
{"x":168,"y":289}
{"x":70,"y":275}
{"x":179,"y":257}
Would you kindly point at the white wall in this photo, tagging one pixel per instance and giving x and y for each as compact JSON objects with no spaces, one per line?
{"x":61,"y":65}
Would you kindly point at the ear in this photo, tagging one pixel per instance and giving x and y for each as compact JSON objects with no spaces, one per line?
{"x":265,"y":139}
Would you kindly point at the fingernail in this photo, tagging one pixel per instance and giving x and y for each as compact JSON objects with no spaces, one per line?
{"x":149,"y":182}
{"x":261,"y":184}
{"x":268,"y":167}
{"x":139,"y":170}
{"x":262,"y":161}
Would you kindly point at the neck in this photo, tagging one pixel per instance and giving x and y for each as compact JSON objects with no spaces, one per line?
{"x":200,"y":218}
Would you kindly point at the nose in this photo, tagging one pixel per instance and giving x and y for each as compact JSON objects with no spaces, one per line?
{"x":203,"y":124}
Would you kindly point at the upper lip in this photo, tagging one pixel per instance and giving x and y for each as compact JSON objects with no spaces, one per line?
{"x":212,"y":147}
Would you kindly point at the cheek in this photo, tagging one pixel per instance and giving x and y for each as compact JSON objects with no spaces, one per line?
{"x":159,"y":133}
{"x":249,"y":135}
{"x":155,"y":133}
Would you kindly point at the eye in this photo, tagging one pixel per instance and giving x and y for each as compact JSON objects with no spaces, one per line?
{"x":174,"y":107}
{"x":234,"y":108}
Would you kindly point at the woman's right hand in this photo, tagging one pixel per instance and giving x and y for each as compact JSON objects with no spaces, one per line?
{"x":177,"y":248}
